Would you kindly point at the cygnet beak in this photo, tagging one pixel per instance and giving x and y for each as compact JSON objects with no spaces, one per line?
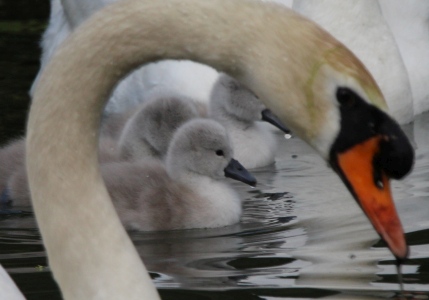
{"x":236,"y":171}
{"x":268,"y":116}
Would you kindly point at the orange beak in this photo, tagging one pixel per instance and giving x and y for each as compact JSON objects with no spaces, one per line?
{"x":371,"y":189}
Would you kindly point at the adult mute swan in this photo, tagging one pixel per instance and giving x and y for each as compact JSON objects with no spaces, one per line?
{"x":316,"y":86}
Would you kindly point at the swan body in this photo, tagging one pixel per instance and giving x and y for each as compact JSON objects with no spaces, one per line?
{"x":183,"y":78}
{"x":113,"y":124}
{"x":58,"y":30}
{"x":8,"y":288}
{"x":312,"y":82}
{"x":410,"y":26}
{"x":187,"y":192}
{"x":149,"y":131}
{"x":13,"y":175}
{"x":361,"y":27}
{"x":238,"y":109}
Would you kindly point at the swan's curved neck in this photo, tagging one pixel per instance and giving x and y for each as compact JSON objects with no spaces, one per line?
{"x":73,"y":209}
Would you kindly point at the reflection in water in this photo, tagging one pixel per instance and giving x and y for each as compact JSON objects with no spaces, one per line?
{"x":302,"y":235}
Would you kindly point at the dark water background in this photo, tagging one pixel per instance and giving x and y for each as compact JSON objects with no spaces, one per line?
{"x":301,"y":237}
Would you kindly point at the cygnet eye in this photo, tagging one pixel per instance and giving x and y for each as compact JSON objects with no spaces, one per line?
{"x":219,"y":152}
{"x":346,"y":97}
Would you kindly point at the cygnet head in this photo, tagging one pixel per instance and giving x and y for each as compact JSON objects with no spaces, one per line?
{"x":150,"y":129}
{"x":163,"y":117}
{"x":231,"y":100}
{"x":202,"y":147}
{"x":230,"y":96}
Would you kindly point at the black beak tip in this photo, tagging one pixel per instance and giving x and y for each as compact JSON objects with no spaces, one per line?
{"x":236,"y":171}
{"x":252,"y":183}
{"x":268,"y":116}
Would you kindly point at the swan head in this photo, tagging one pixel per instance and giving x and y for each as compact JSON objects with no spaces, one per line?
{"x":349,"y":125}
{"x":231,"y":100}
{"x":163,"y":117}
{"x":369,"y":150}
{"x":202,"y":147}
{"x":229,"y":96}
{"x":326,"y":96}
{"x":154,"y":124}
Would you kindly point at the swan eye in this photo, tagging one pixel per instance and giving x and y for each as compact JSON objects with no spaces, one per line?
{"x":346,"y":97}
{"x":219,"y":152}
